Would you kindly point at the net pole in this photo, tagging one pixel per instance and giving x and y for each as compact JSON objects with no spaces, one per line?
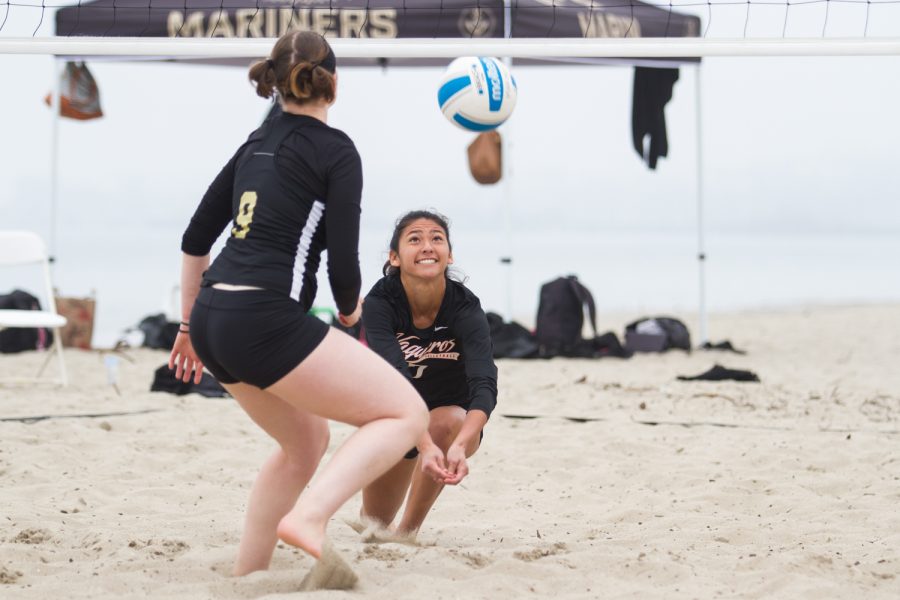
{"x":55,"y":104}
{"x":701,"y":250}
{"x":506,"y":174}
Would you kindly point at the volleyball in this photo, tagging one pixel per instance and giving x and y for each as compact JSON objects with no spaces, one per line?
{"x":477,"y":93}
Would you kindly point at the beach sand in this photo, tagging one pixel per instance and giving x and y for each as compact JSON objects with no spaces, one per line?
{"x":626,"y":483}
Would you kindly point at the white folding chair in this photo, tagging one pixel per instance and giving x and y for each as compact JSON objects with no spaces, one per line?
{"x":27,"y":248}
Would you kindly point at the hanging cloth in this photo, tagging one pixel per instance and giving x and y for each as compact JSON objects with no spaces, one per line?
{"x":652,"y":90}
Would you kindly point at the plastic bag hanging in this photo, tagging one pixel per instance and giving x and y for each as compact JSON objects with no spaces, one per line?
{"x":79,"y":97}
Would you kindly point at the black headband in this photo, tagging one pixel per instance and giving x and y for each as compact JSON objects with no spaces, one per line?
{"x":329,"y":63}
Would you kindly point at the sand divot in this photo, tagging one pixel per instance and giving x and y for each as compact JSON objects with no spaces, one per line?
{"x":330,"y":572}
{"x":373,"y":533}
{"x":356,"y":525}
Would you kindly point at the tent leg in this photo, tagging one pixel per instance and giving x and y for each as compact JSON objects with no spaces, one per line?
{"x":505,"y":174}
{"x":701,"y":250}
{"x":54,"y":156}
{"x":507,"y":259}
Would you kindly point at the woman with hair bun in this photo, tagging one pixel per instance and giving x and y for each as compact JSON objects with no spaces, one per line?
{"x":432,"y":329}
{"x":291,"y":191}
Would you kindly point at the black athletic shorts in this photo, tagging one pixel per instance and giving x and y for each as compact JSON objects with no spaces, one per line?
{"x":252,"y":336}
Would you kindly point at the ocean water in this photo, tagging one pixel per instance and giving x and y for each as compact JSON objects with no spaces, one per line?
{"x":134,"y":271}
{"x":652,"y":271}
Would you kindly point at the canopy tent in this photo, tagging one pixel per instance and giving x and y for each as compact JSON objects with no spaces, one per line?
{"x":381,"y":19}
{"x":375,"y":18}
{"x":396,"y":19}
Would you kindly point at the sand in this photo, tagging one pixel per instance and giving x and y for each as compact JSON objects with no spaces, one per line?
{"x":626,"y":483}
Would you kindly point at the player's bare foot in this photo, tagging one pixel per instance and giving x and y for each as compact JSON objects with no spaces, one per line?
{"x":364,"y":524}
{"x":374,"y":532}
{"x":303,"y":533}
{"x":402,"y":536}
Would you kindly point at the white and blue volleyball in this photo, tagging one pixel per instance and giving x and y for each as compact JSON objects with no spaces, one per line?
{"x":477,"y":93}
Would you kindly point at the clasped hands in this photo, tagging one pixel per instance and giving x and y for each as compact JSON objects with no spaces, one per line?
{"x":449,"y":469}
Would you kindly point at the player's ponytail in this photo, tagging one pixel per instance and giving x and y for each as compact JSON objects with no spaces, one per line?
{"x":310,"y":81}
{"x":300,"y":69}
{"x":262,"y":75}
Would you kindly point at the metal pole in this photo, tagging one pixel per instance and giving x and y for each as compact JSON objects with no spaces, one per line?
{"x":506,"y":173}
{"x":55,"y":103}
{"x":701,"y":251}
{"x":80,"y":47}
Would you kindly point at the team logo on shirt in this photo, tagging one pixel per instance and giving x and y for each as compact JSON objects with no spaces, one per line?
{"x":415,"y":352}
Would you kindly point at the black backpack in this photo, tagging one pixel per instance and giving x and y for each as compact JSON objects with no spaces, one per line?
{"x":159,"y":332}
{"x":657,"y":334}
{"x":560,"y":317}
{"x":511,"y":340}
{"x":21,"y":339}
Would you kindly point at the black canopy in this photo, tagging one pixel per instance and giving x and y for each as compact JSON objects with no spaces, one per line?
{"x":373,"y":18}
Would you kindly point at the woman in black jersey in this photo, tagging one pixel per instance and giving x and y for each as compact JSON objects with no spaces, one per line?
{"x":292,"y":190}
{"x":434,"y":331}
